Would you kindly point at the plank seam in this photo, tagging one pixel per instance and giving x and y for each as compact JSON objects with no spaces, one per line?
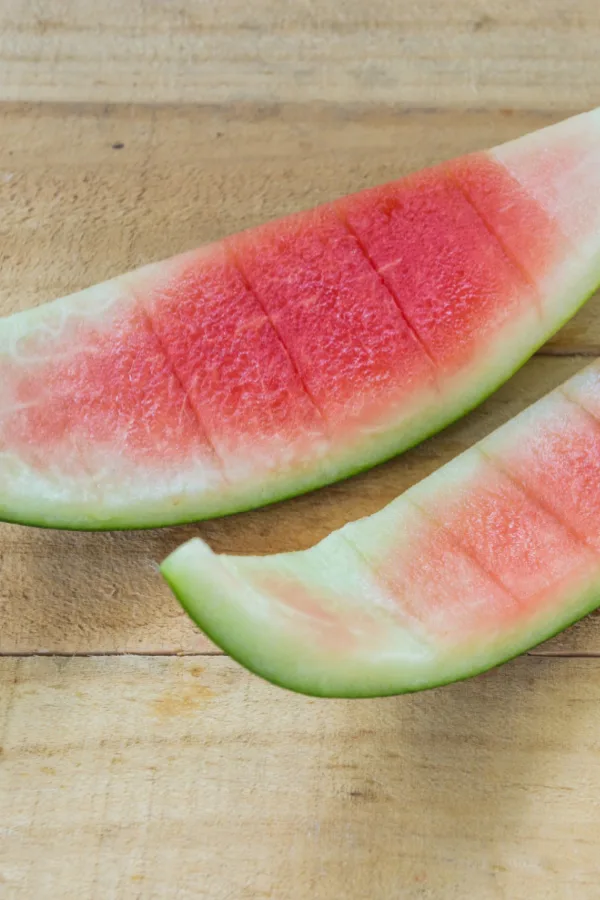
{"x":367,"y":106}
{"x":159,"y":654}
{"x":552,"y":351}
{"x":82,"y":654}
{"x":563,"y":654}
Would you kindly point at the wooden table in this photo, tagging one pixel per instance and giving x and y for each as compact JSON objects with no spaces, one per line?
{"x":135,"y":760}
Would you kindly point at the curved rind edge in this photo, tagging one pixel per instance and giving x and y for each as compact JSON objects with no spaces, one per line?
{"x":318,"y":480}
{"x":445,"y":670}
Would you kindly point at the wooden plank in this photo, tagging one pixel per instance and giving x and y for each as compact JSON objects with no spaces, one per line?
{"x":66,"y":592}
{"x":76,"y":211}
{"x":501,"y":52}
{"x":159,"y":778}
{"x":181,"y":176}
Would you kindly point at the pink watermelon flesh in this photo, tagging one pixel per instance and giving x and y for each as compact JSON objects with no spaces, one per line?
{"x":490,"y":555}
{"x":447,"y":271}
{"x":559,"y":464}
{"x":526,"y":232}
{"x":237,"y":375}
{"x":297,"y":353}
{"x":345,"y":335}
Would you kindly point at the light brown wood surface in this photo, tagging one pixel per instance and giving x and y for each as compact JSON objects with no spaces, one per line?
{"x":170,"y":778}
{"x":535,"y":54}
{"x":135,"y":130}
{"x":77,"y":211}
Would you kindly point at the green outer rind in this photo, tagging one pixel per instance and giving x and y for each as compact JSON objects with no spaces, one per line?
{"x":242,"y":652}
{"x":318,"y":479}
{"x":223,"y":639}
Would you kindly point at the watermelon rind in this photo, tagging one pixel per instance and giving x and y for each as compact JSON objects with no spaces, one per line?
{"x":34,"y":509}
{"x":246,"y":605}
{"x":125,"y":495}
{"x":192,"y":573}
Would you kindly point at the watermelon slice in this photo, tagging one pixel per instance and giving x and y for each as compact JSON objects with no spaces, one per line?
{"x":493,"y":553}
{"x":299,"y":352}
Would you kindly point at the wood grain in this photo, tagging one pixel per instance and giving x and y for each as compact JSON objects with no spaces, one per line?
{"x":526,"y":53}
{"x":163,"y":778}
{"x":97,"y":190}
{"x":88,"y":191}
{"x":132,"y":131}
{"x":76,"y":211}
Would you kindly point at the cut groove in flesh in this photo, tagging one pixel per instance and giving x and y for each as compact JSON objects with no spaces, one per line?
{"x":487,"y":557}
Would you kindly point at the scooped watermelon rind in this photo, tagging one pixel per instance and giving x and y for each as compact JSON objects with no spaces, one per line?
{"x":205,"y":602}
{"x":299,"y":353}
{"x":490,"y":555}
{"x":384,"y":448}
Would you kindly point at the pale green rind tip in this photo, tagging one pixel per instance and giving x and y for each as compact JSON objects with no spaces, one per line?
{"x":290,"y":664}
